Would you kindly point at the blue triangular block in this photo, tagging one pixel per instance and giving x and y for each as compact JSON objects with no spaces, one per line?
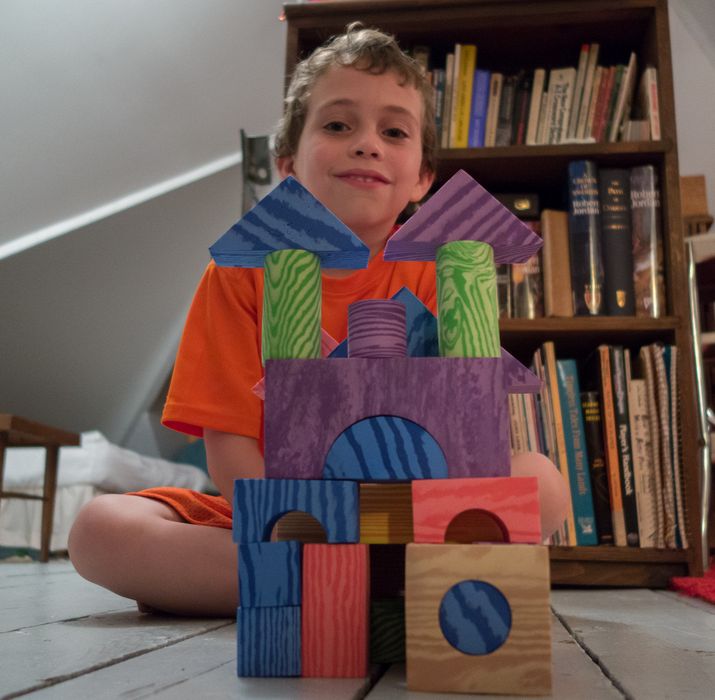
{"x":290,"y":217}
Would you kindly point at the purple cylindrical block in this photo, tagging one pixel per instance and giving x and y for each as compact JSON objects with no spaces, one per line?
{"x":377,"y":328}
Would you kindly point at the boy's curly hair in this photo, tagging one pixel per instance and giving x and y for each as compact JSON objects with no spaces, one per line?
{"x":369,"y":50}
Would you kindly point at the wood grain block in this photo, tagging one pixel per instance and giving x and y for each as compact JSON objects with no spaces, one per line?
{"x":290,"y":217}
{"x":386,"y":513}
{"x":259,"y":503}
{"x":462,"y":210}
{"x":513,"y":501}
{"x":377,"y":328}
{"x":268,"y":641}
{"x":519,"y":664}
{"x":335,"y":611}
{"x":269,"y":574}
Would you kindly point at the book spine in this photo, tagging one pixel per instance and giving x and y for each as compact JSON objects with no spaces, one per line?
{"x":504,"y":290}
{"x":616,"y":241}
{"x":587,"y":90}
{"x":505,"y":116}
{"x":604,"y":94}
{"x":650,"y":78}
{"x":649,"y":285}
{"x":623,"y":438}
{"x":612,"y":100}
{"x":465,"y":63}
{"x":593,"y":102}
{"x":591,"y":406}
{"x":585,"y":238}
{"x":537,"y":90}
{"x":480,"y":103}
{"x":625,"y":97}
{"x":578,"y":91}
{"x":448,"y":95}
{"x":521,"y":109}
{"x":579,"y":477}
{"x":438,"y":79}
{"x":558,"y":296}
{"x":527,"y":289}
{"x":495,"y":89}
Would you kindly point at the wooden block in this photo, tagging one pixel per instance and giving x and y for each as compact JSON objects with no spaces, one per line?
{"x":268,"y":641}
{"x":290,"y":217}
{"x":335,"y":615}
{"x":512,"y":501}
{"x":269,"y":574}
{"x":386,"y":513}
{"x":387,"y":631}
{"x":462,"y":210}
{"x":385,"y":448}
{"x":301,"y":527}
{"x":259,"y":503}
{"x":377,"y":328}
{"x":516,"y":635}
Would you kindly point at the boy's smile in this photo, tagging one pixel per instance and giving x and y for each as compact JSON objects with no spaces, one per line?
{"x":360,"y":152}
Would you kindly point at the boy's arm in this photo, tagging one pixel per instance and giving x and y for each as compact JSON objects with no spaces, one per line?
{"x":232,"y":457}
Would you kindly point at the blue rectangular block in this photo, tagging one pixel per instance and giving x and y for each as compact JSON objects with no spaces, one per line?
{"x":259,"y":503}
{"x":269,"y":574}
{"x":268,"y":641}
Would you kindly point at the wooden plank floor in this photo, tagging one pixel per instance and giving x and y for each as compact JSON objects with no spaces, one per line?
{"x":61,"y":637}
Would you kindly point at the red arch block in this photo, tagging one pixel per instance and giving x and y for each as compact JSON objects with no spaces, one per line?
{"x":513,"y":500}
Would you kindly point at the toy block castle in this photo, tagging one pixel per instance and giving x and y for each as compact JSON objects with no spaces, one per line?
{"x":391,"y":443}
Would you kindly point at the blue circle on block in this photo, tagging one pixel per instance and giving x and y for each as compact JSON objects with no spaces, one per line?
{"x":475,"y":617}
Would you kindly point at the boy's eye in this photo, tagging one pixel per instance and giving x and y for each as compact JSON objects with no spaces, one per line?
{"x":395,"y":133}
{"x":336,"y":126}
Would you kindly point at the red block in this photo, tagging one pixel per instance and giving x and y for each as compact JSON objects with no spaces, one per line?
{"x":335,"y":610}
{"x":513,"y":501}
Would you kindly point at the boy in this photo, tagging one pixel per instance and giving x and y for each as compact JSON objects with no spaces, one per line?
{"x":359,"y":133}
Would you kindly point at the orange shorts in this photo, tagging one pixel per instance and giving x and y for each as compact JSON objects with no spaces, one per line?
{"x":194,"y":507}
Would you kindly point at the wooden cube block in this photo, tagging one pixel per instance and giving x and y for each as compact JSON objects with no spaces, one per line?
{"x":386,"y":513}
{"x":269,"y":574}
{"x":335,"y":610}
{"x":492,"y":601}
{"x":268,"y":641}
{"x":513,"y":501}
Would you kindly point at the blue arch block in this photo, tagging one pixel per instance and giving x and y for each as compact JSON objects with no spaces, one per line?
{"x":385,"y":448}
{"x":259,"y":503}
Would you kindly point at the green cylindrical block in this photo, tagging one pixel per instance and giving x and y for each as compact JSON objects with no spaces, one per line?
{"x":468,"y":318}
{"x":291,"y":305}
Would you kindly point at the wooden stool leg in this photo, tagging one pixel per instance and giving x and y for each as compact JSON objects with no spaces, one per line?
{"x":3,"y":445}
{"x":48,"y":500}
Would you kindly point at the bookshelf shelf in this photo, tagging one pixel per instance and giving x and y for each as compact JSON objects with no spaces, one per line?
{"x":525,"y":34}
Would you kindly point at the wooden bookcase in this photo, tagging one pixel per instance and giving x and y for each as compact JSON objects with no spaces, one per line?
{"x":514,"y":34}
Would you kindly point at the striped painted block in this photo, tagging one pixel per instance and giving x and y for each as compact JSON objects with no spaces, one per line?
{"x":512,"y":501}
{"x":259,"y":503}
{"x":468,"y":319}
{"x":386,"y":513}
{"x":462,"y":210}
{"x":269,"y":574}
{"x":387,"y":631}
{"x":292,"y":294}
{"x":268,"y":641}
{"x":486,"y":650}
{"x":377,"y":328}
{"x":335,"y":612}
{"x":385,"y":448}
{"x":290,"y":217}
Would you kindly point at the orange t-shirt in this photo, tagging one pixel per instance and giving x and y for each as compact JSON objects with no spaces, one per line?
{"x":219,"y":358}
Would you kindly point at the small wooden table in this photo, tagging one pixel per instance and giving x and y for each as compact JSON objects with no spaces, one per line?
{"x":20,"y":432}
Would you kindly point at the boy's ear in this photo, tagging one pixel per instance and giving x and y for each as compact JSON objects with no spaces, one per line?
{"x":423,"y":185}
{"x":284,"y":164}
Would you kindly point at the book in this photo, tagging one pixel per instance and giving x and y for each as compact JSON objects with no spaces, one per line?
{"x":612,"y":99}
{"x":577,"y":457}
{"x":649,"y":107}
{"x":438,"y":81}
{"x":503,"y":290}
{"x":583,"y":111}
{"x":643,"y":472}
{"x":505,"y":116}
{"x":527,"y":289}
{"x":623,"y":440}
{"x":542,"y":129}
{"x":448,"y":94}
{"x":598,"y":378}
{"x":558,"y":296}
{"x":648,"y":280}
{"x":465,"y":61}
{"x":593,"y":102}
{"x":480,"y":103}
{"x":616,"y":242}
{"x":537,"y":91}
{"x":591,"y":407}
{"x":624,"y":99}
{"x":578,"y":91}
{"x":495,"y":89}
{"x":635,"y":130}
{"x":602,"y":101}
{"x":585,"y":238}
{"x":521,"y":109}
{"x":561,"y":88}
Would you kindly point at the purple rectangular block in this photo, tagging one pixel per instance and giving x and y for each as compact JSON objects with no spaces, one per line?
{"x":460,"y":402}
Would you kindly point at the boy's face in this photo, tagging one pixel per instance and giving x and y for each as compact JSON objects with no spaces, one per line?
{"x":360,"y":152}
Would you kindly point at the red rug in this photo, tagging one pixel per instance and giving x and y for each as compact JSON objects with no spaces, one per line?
{"x":703,"y":587}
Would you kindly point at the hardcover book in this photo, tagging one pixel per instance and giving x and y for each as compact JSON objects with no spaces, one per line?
{"x":590,"y":403}
{"x":558,"y":295}
{"x":495,"y":90}
{"x":585,"y":238}
{"x":527,"y":288}
{"x":617,"y":245}
{"x":465,"y":60}
{"x":585,"y":105}
{"x":505,"y":116}
{"x":578,"y":91}
{"x":480,"y":104}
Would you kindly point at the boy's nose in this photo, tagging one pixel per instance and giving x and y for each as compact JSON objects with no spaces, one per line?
{"x":366,"y":148}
